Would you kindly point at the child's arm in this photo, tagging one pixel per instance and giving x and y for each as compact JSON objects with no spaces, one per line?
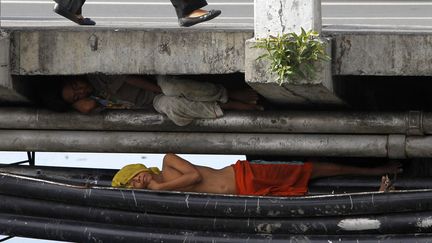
{"x":143,"y":83}
{"x":85,"y":105}
{"x":190,"y":174}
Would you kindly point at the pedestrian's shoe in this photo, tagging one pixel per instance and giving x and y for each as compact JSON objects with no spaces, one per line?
{"x":189,"y":21}
{"x":69,"y":10}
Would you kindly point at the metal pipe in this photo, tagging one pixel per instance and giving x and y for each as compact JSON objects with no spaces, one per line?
{"x":392,"y":223}
{"x":81,"y":231}
{"x":211,"y":205}
{"x":202,"y":143}
{"x":414,"y":122}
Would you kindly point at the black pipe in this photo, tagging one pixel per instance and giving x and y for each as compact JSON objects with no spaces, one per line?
{"x":102,"y":177}
{"x":201,"y":204}
{"x":401,"y":223}
{"x":81,"y":231}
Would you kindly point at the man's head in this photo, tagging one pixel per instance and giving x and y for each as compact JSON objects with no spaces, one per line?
{"x":75,"y":89}
{"x":134,"y":176}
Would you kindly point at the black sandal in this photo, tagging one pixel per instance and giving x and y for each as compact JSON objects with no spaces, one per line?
{"x":189,"y":21}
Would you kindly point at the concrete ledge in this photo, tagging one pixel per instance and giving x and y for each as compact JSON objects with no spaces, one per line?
{"x":123,"y":51}
{"x":381,"y":51}
{"x":356,"y":51}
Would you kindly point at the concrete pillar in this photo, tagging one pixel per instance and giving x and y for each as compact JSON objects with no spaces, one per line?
{"x":275,"y":17}
{"x":8,"y":94}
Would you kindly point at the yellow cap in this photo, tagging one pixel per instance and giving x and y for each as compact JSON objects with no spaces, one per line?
{"x":125,"y":174}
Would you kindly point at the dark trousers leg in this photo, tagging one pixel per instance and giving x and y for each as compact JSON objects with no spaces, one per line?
{"x":72,"y":6}
{"x":185,"y":7}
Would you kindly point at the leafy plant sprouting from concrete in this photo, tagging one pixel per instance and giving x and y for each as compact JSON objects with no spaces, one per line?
{"x":293,"y":56}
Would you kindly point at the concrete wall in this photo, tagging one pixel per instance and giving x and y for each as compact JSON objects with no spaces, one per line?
{"x":382,"y":53}
{"x":117,"y":51}
{"x":79,"y":51}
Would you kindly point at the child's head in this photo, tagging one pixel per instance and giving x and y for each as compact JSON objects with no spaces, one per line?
{"x":75,"y":89}
{"x":134,"y":176}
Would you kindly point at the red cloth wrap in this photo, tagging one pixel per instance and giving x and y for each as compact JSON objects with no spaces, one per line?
{"x":272,"y":179}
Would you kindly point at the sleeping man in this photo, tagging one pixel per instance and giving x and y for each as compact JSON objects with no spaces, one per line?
{"x":182,"y":100}
{"x":241,"y":178}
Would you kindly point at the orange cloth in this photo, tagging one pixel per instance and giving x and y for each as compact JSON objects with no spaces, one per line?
{"x":272,"y":179}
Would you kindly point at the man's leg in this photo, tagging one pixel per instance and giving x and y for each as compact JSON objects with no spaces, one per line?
{"x":204,"y":91}
{"x":192,"y":90}
{"x":330,"y":169}
{"x":183,"y":111}
{"x":189,"y":12}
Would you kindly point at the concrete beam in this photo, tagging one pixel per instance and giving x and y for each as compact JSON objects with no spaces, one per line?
{"x":382,"y":52}
{"x":51,"y":51}
{"x":123,"y":51}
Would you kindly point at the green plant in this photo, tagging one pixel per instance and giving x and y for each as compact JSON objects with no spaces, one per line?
{"x":293,"y":56}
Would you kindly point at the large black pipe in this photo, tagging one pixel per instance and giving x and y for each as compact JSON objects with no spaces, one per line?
{"x":102,"y":177}
{"x":210,"y":205}
{"x":79,"y":231}
{"x":413,"y":122}
{"x":393,"y":223}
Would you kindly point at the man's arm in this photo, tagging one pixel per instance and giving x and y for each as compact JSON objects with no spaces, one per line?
{"x":143,"y":83}
{"x":189,"y":174}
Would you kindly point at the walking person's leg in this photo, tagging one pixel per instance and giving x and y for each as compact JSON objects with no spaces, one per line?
{"x":189,"y":12}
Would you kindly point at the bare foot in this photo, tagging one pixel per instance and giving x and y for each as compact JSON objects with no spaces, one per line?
{"x":238,"y":105}
{"x":197,"y":13}
{"x":386,"y":184}
{"x":389,"y":168}
{"x":244,"y":95}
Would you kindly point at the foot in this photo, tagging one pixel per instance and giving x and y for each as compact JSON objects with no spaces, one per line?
{"x":386,"y":184}
{"x":198,"y":16}
{"x":240,"y":106}
{"x":77,"y":18}
{"x":244,"y":95}
{"x":197,"y":13}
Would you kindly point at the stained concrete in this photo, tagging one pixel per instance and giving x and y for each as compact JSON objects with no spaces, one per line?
{"x":382,"y":53}
{"x":273,"y":17}
{"x":122,"y":51}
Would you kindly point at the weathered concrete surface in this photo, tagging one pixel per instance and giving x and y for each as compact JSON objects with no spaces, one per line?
{"x":51,"y":51}
{"x":277,"y":17}
{"x":379,"y":52}
{"x":120,"y":51}
{"x":273,"y":17}
{"x":317,"y":91}
{"x":8,"y":91}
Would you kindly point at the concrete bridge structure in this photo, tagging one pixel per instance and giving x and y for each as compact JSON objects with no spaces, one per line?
{"x":363,"y":51}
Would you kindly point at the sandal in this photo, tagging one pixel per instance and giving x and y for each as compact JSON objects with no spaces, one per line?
{"x":189,"y":21}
